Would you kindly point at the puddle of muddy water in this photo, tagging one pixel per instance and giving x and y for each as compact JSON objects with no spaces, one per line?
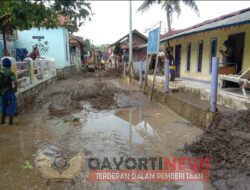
{"x":145,"y":130}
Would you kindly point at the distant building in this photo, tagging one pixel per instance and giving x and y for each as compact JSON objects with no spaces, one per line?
{"x":138,"y":44}
{"x":194,"y":47}
{"x":76,"y":49}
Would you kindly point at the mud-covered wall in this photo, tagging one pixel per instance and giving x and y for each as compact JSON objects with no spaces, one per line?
{"x":66,"y":72}
{"x":25,"y":98}
{"x":195,"y":113}
{"x":199,"y":116}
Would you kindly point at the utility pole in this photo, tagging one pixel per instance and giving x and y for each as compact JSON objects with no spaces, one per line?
{"x":130,"y":39}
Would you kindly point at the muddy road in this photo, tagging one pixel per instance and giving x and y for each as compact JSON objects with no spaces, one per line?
{"x":98,"y":115}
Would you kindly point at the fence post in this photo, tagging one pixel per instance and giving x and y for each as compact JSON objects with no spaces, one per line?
{"x":166,"y":76}
{"x":140,"y":72}
{"x":124,"y":67}
{"x":42,"y":67}
{"x":31,"y":68}
{"x":214,"y":85}
{"x":52,"y":67}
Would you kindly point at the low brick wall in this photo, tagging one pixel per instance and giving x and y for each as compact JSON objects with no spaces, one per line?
{"x":25,"y":97}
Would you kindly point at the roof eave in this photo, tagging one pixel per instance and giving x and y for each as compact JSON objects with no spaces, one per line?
{"x":205,"y":30}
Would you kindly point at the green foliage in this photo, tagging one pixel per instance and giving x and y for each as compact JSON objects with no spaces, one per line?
{"x":102,"y":47}
{"x":26,"y":165}
{"x":77,"y":10}
{"x":25,"y":14}
{"x":170,"y":6}
{"x":88,"y":45}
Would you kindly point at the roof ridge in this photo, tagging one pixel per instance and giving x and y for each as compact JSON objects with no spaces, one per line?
{"x":222,"y":17}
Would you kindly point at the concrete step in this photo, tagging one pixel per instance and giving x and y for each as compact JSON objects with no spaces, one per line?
{"x":224,"y":98}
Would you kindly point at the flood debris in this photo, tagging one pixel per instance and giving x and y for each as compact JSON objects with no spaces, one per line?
{"x":227,"y":143}
{"x":65,"y":97}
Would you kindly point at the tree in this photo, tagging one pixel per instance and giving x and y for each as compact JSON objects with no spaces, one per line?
{"x":102,"y":47}
{"x":25,"y":14}
{"x":88,"y":44}
{"x":170,"y":6}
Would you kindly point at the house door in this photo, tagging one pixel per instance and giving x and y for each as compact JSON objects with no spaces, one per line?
{"x":238,"y":42}
{"x":177,"y":59}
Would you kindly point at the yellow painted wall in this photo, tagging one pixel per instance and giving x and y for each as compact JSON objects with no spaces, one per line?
{"x":221,"y":35}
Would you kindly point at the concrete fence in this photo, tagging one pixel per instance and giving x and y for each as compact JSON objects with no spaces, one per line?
{"x":30,"y":73}
{"x":136,"y":65}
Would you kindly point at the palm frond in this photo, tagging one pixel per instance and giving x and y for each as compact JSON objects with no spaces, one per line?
{"x":176,"y":7}
{"x":147,"y":4}
{"x":191,"y":4}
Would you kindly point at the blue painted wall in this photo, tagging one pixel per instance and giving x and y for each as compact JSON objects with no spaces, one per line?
{"x":58,"y":43}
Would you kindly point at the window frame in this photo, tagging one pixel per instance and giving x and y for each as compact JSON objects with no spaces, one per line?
{"x":198,"y":53}
{"x":188,"y":59}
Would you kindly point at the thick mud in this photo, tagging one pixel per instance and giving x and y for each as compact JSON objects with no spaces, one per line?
{"x":227,"y":143}
{"x":98,"y":115}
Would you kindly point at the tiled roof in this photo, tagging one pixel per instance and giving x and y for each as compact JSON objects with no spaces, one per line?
{"x":235,"y":18}
{"x":64,"y":20}
{"x":171,"y":33}
{"x":77,"y":38}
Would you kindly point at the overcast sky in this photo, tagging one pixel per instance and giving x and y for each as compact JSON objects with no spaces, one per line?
{"x":111,"y":18}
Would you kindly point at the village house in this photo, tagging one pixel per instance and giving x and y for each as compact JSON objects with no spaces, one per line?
{"x":51,"y":43}
{"x":194,"y":47}
{"x":139,"y":48}
{"x":76,"y":49}
{"x":56,"y":43}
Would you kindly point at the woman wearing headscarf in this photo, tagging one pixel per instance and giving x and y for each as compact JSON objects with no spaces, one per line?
{"x":8,"y":87}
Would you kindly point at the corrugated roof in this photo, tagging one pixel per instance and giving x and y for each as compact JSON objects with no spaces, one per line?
{"x":232,"y":19}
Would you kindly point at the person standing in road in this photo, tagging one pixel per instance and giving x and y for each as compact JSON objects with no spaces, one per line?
{"x":8,"y":87}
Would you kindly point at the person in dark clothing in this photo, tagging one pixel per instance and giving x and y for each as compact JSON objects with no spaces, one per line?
{"x":8,"y":87}
{"x":228,"y":54}
{"x":172,"y":68}
{"x":35,"y":53}
{"x":170,"y":57}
